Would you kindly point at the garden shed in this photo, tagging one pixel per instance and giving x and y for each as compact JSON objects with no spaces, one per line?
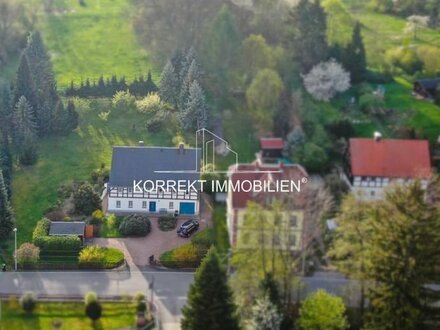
{"x":67,"y":228}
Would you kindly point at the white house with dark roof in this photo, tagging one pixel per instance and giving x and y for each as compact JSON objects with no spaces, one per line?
{"x":130,"y":164}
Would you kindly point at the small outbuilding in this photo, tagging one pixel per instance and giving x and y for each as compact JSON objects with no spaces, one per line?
{"x":426,"y":88}
{"x":68,"y":228}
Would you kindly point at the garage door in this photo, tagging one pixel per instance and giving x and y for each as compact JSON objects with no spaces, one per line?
{"x":187,"y":208}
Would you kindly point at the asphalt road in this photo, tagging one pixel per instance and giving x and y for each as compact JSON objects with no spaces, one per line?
{"x":170,"y":288}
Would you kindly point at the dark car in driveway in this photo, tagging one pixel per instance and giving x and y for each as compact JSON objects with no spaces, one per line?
{"x":187,"y":228}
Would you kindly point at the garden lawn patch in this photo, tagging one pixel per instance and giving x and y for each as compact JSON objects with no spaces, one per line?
{"x":93,"y":40}
{"x":115,"y":316}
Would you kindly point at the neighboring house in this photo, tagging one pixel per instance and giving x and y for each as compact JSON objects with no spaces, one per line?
{"x":155,"y":164}
{"x":376,"y":163}
{"x":426,"y":88}
{"x":237,"y":202}
{"x":68,"y":228}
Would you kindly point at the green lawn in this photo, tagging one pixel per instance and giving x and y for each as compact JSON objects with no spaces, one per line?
{"x":98,"y":39}
{"x":72,"y":316}
{"x":73,"y":157}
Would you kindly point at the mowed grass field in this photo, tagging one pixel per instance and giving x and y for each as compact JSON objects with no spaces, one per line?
{"x":73,"y":157}
{"x":98,"y":39}
{"x":71,"y":315}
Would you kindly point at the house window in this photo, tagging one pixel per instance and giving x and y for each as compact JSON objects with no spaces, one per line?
{"x":171,"y":206}
{"x":293,"y":221}
{"x":144,"y":204}
{"x":292,"y":239}
{"x":130,"y":204}
{"x":372,"y":193}
{"x":118,"y":204}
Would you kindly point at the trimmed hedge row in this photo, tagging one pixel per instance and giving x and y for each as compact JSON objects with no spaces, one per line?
{"x":97,"y":257}
{"x":46,"y":243}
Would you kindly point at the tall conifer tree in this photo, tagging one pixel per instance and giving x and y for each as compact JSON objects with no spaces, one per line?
{"x":210,"y":303}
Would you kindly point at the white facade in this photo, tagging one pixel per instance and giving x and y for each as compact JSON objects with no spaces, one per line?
{"x":122,"y":200}
{"x":373,"y":188}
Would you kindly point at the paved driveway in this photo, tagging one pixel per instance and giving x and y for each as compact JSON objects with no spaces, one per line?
{"x":137,"y":250}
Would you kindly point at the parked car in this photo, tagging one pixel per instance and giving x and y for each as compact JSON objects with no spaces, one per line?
{"x":187,"y":228}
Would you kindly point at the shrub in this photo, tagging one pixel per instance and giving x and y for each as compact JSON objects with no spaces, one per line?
{"x":167,"y":223}
{"x":123,"y":101}
{"x":187,"y":255}
{"x":94,"y":311}
{"x":85,"y":199}
{"x":113,"y":221}
{"x":28,"y":254}
{"x":28,"y":302}
{"x":100,"y":257}
{"x":100,"y":175}
{"x":372,"y":104}
{"x":90,"y":297}
{"x":138,"y":297}
{"x":312,"y":156}
{"x":141,"y":307}
{"x":41,"y":238}
{"x":150,"y":104}
{"x":91,"y":256}
{"x":405,"y":58}
{"x":154,"y":124}
{"x":97,"y":217}
{"x":135,"y":225}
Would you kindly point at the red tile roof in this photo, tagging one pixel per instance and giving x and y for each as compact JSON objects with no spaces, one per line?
{"x":271,"y":143}
{"x":258,"y":172}
{"x":390,"y":158}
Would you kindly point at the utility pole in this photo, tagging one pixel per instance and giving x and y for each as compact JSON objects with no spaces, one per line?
{"x":15,"y":250}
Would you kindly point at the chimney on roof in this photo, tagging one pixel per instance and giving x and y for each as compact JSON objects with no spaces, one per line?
{"x":181,"y":149}
{"x":377,"y":136}
{"x":141,"y":143}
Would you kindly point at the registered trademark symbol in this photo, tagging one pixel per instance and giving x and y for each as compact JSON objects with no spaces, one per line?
{"x":304,"y":180}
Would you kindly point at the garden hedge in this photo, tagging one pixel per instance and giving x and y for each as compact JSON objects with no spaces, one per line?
{"x":135,"y":225}
{"x":46,"y":243}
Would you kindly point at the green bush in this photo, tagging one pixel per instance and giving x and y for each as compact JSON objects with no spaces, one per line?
{"x":135,"y":225}
{"x":100,"y":257}
{"x":28,"y":302}
{"x":113,"y":221}
{"x":167,"y":223}
{"x":28,"y":254}
{"x":97,"y":217}
{"x":184,"y":256}
{"x":85,"y":199}
{"x":46,"y":243}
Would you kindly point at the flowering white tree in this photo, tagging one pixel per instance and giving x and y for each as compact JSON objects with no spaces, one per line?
{"x":265,"y":315}
{"x":326,"y":79}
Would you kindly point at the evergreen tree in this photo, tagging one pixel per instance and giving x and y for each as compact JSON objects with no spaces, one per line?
{"x":6,"y":165}
{"x":6,"y":213}
{"x":24,"y":84}
{"x":307,"y":34}
{"x":44,"y":81}
{"x":210,"y":303}
{"x":186,"y":63}
{"x":100,"y":87}
{"x":403,"y":250}
{"x":265,"y":315}
{"x":191,"y":76}
{"x":5,"y":110}
{"x":23,"y":119}
{"x":194,"y":113}
{"x":149,"y":84}
{"x":355,"y":60}
{"x":59,"y":123}
{"x":168,"y":86}
{"x":25,"y":132}
{"x":72,"y":116}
